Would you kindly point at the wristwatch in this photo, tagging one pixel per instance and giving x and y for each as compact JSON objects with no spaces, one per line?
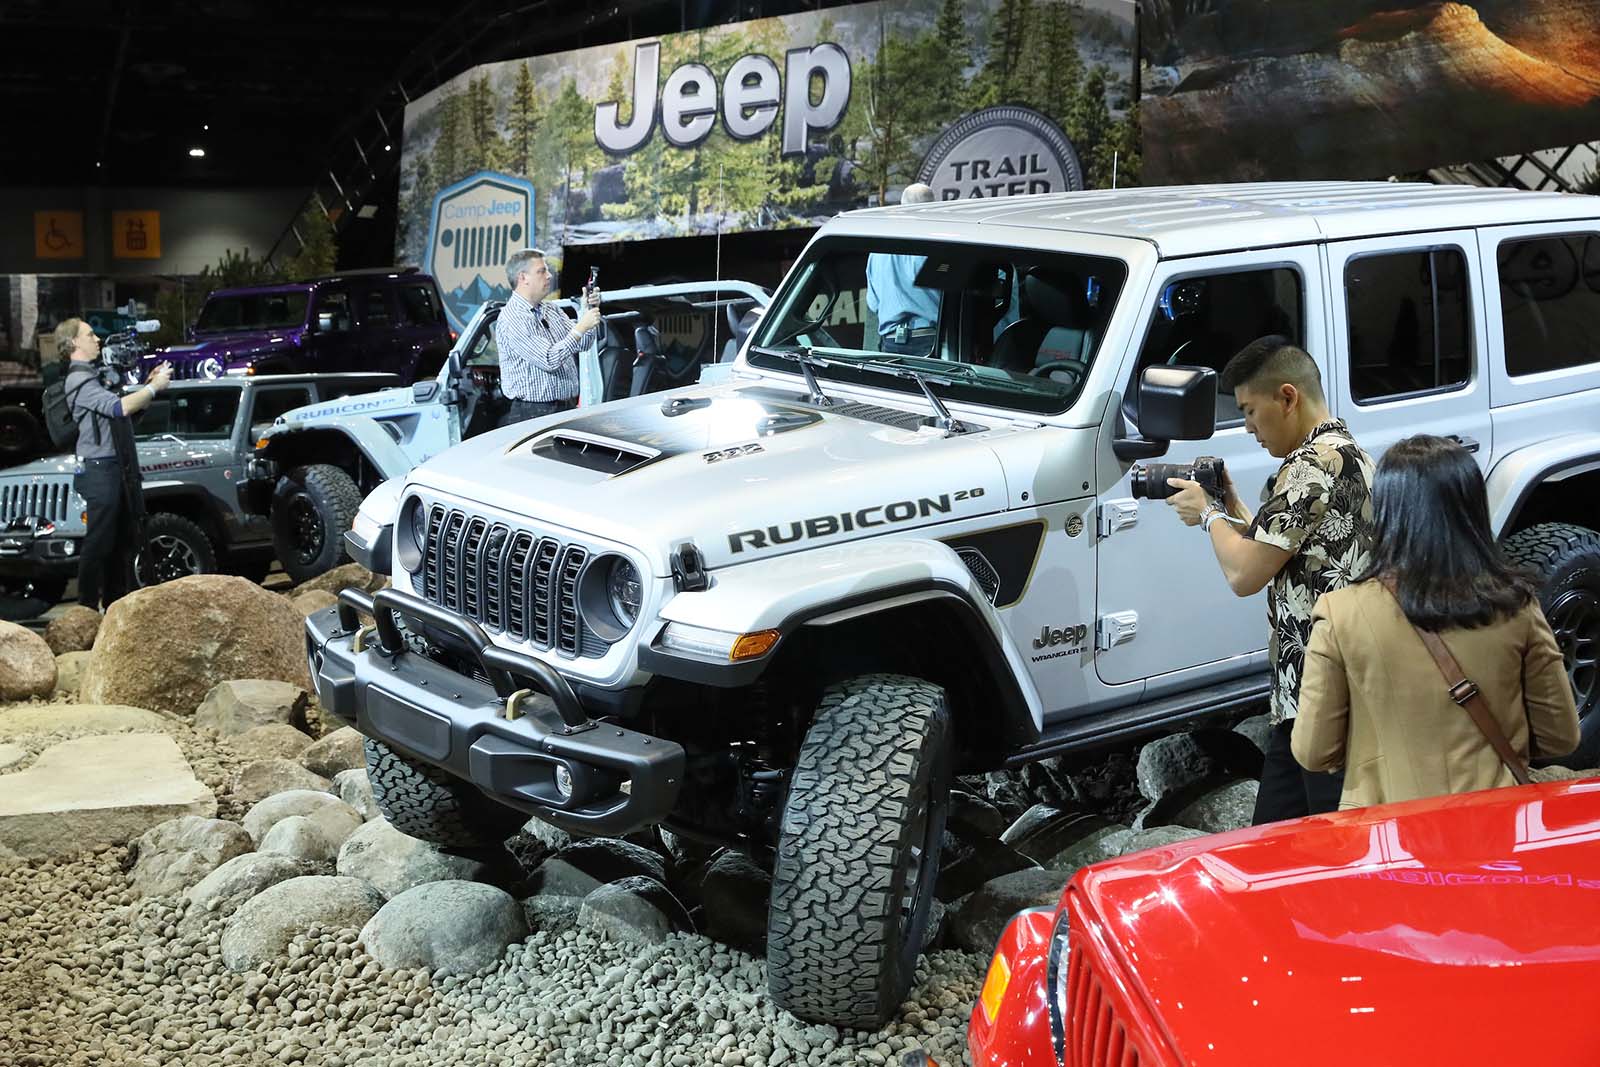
{"x":1209,"y":514}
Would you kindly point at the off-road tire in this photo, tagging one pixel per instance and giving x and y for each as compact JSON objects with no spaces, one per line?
{"x":1566,"y":560}
{"x":842,"y":936}
{"x":426,"y":803}
{"x":174,"y":547}
{"x":312,"y":507}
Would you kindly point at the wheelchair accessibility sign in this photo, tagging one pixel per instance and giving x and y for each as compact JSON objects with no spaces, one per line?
{"x":475,"y":226}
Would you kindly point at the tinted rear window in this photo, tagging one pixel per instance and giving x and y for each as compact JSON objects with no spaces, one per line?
{"x":252,"y":311}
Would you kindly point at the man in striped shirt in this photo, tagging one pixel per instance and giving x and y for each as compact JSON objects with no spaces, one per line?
{"x":538,"y":344}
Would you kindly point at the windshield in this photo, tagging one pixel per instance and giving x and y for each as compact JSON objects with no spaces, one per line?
{"x":193,"y":415}
{"x":1015,"y":328}
{"x":252,"y":311}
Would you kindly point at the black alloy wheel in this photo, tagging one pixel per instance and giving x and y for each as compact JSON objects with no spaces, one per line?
{"x":174,"y":547}
{"x":1575,"y":619}
{"x":305,"y":525}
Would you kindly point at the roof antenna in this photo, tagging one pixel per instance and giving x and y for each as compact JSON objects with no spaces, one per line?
{"x":1113,"y":169}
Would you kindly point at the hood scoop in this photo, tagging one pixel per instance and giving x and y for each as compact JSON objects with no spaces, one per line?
{"x":593,"y":452}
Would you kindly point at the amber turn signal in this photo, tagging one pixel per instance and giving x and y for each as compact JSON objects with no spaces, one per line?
{"x":994,"y":986}
{"x":749,"y":646}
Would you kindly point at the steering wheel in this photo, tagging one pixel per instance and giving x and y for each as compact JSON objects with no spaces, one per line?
{"x":1075,"y":367}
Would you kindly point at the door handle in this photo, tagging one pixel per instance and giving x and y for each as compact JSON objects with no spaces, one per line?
{"x":1468,"y":443}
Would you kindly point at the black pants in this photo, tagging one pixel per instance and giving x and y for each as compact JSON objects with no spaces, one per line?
{"x":111,"y":540}
{"x":523,"y":410}
{"x":1288,"y":790}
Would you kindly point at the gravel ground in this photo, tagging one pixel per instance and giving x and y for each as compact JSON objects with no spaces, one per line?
{"x":91,"y":975}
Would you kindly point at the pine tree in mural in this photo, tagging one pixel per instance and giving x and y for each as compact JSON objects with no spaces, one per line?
{"x":952,"y":48}
{"x":524,"y":115}
{"x":1002,"y":80}
{"x":1051,"y":62}
{"x":1088,"y":125}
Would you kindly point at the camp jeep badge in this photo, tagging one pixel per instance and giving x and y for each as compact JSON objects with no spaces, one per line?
{"x":1001,"y":151}
{"x":476,"y":224}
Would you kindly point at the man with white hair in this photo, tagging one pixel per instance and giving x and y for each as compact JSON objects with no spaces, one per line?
{"x":908,"y":315}
{"x":538,"y":343}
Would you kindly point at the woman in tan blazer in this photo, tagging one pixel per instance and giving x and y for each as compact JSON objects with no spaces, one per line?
{"x":1373,"y":701}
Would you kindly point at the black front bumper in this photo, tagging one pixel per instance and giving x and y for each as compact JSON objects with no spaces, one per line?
{"x":27,"y":555}
{"x":507,"y":736}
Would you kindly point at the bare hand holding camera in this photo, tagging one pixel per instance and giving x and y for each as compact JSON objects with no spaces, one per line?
{"x":160,"y":376}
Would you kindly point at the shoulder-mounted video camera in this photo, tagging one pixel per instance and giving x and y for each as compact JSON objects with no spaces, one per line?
{"x":121,"y":352}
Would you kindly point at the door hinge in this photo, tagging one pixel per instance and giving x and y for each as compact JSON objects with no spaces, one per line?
{"x":1114,"y":515}
{"x":1115,"y":629}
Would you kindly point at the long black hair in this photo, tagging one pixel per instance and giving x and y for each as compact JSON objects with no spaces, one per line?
{"x":1433,"y":538}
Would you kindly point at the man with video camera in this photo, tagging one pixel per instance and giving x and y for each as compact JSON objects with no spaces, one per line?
{"x":107,"y":474}
{"x":1314,"y":534}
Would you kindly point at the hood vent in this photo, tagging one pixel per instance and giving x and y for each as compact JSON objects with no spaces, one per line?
{"x":592,"y":452}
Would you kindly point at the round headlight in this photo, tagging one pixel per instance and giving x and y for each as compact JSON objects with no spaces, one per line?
{"x":210,"y":367}
{"x":624,"y":591}
{"x":417,"y":520}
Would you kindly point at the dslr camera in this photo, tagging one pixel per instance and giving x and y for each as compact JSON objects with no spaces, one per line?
{"x":1150,"y":479}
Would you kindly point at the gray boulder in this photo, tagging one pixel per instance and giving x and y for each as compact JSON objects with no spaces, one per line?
{"x":314,"y":838}
{"x":1171,"y":763}
{"x":265,"y":778}
{"x":393,"y":863}
{"x":178,"y":853}
{"x":275,"y":740}
{"x":1104,"y":843}
{"x":73,"y":630}
{"x":355,"y":790}
{"x":241,"y":878}
{"x":972,"y":816}
{"x":263,"y":926}
{"x":1044,"y":831}
{"x":552,"y":911}
{"x":1157,"y":837}
{"x":983,"y":916}
{"x":607,"y":859}
{"x":448,"y":927}
{"x":238,"y":706}
{"x":325,"y":809}
{"x":734,"y":895}
{"x":553,"y":838}
{"x":1258,"y":728}
{"x":1224,"y":808}
{"x":342,"y":750}
{"x":636,"y":910}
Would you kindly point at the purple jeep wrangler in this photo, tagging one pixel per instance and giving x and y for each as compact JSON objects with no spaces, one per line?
{"x":377,"y":320}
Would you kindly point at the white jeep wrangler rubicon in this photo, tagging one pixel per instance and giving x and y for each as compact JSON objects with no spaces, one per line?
{"x":782,"y":611}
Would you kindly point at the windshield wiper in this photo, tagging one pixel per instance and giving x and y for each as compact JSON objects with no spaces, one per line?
{"x":942,"y":417}
{"x":803,"y":356}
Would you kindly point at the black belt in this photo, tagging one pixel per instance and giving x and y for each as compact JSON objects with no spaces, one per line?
{"x":98,"y":459}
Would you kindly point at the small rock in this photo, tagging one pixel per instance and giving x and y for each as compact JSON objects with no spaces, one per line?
{"x":607,"y":859}
{"x":972,"y":816}
{"x":177,"y":854}
{"x":69,"y":671}
{"x":1227,"y":807}
{"x":355,"y":789}
{"x":262,"y":927}
{"x":342,"y":750}
{"x":553,"y":838}
{"x":268,"y":812}
{"x":241,"y":878}
{"x":448,"y":927}
{"x":393,"y":863}
{"x":27,"y":666}
{"x":1171,"y":763}
{"x":275,"y":740}
{"x":262,"y":779}
{"x":235,"y":707}
{"x":635,"y":910}
{"x":981,"y":920}
{"x":73,"y":630}
{"x":349,"y":575}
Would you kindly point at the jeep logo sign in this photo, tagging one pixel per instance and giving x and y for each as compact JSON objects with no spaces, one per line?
{"x":476,"y":224}
{"x":1001,"y":151}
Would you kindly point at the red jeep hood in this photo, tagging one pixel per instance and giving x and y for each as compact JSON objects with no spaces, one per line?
{"x":1459,"y":930}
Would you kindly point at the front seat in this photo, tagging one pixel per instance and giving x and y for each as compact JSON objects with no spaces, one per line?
{"x":1055,"y":323}
{"x":740,"y":327}
{"x":615,"y":361}
{"x":647,"y":349}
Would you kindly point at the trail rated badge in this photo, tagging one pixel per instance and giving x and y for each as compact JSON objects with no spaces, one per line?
{"x":1001,"y":151}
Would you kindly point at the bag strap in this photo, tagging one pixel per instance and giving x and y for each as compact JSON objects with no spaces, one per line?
{"x":1465,"y":693}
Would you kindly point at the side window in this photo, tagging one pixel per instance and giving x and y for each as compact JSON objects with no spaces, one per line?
{"x":271,"y":402}
{"x":418,"y":307}
{"x":1204,"y":320}
{"x":333,"y":312}
{"x":1550,"y":302}
{"x":374,"y":309}
{"x":1410,"y":330}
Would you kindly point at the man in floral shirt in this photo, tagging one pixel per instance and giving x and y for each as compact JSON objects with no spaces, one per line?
{"x":1312,"y":536}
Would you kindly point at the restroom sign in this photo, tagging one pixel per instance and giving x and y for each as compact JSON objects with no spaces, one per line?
{"x":136,"y":234}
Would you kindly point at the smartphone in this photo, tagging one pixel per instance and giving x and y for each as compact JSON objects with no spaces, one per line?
{"x":592,"y":290}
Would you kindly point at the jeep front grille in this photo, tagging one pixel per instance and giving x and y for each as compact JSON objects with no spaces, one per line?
{"x":507,"y":580}
{"x":47,"y":499}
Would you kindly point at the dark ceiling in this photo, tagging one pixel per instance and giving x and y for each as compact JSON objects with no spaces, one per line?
{"x":117,"y":92}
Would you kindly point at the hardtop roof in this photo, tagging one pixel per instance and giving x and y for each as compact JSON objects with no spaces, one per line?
{"x":1191,"y":219}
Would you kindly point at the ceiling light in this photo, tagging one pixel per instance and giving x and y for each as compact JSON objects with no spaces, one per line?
{"x":386,"y":148}
{"x":197,"y":153}
{"x":206,"y":127}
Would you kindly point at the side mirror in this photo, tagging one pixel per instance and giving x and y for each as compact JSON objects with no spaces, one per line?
{"x":1176,"y":403}
{"x":454,"y":362}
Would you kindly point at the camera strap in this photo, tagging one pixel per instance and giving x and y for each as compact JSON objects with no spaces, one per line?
{"x":1465,"y":693}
